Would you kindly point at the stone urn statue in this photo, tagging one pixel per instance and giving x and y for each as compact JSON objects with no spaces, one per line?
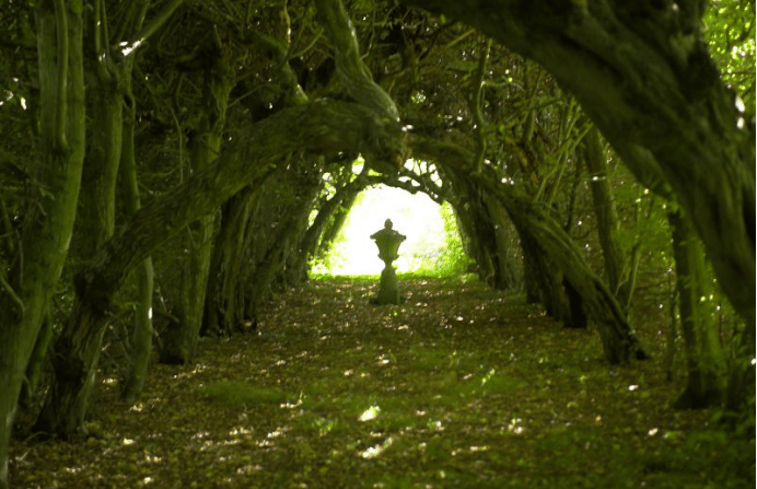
{"x":388,"y":241}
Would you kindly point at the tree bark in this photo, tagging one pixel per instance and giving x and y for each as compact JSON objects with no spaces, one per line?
{"x":36,"y":362}
{"x":222,"y":308}
{"x":95,"y":221}
{"x":353,"y":74}
{"x":293,"y":196}
{"x":705,"y":359}
{"x":25,"y":295}
{"x":141,"y":335}
{"x":332,"y":227}
{"x":644,"y":76}
{"x":608,"y":224}
{"x":334,"y":211}
{"x":618,"y":338}
{"x":180,"y":340}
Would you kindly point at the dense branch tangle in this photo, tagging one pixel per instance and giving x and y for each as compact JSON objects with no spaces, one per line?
{"x":352,"y":72}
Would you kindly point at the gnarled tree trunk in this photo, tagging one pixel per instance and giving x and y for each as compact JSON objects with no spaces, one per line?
{"x":48,"y":224}
{"x":222,"y":309}
{"x":180,"y":339}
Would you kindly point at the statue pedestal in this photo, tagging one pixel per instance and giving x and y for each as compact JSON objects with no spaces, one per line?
{"x":389,"y":290}
{"x":388,"y":242}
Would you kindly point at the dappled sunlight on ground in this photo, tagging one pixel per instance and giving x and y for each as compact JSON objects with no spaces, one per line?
{"x":460,"y":386}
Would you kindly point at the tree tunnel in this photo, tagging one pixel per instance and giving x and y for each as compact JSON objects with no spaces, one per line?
{"x":593,"y":156}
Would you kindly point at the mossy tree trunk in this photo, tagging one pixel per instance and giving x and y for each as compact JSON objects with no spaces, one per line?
{"x":95,"y":220}
{"x":279,"y":225}
{"x":75,"y":355}
{"x":36,"y":362}
{"x":223,"y":312}
{"x":328,"y":221}
{"x":705,"y":359}
{"x":48,"y":224}
{"x":321,"y":127}
{"x":180,"y":339}
{"x":331,"y":227}
{"x":617,"y":269}
{"x":545,"y":279}
{"x":479,"y":224}
{"x":507,"y":245}
{"x":140,"y":345}
{"x":618,"y":338}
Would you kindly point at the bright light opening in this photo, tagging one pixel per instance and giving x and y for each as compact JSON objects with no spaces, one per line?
{"x":414,"y":215}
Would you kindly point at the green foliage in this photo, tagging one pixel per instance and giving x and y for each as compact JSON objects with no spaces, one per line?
{"x":451,"y":258}
{"x":729,"y":28}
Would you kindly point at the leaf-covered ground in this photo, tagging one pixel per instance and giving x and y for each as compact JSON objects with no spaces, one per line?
{"x":458,"y":387}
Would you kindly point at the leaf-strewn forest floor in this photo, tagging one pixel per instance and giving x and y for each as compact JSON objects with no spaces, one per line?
{"x":460,"y":386}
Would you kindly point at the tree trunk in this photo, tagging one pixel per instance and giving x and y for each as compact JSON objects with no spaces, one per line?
{"x":477,"y":226}
{"x":141,"y":335}
{"x":95,"y":224}
{"x":222,"y":311}
{"x":618,"y":338}
{"x":179,"y":342}
{"x":36,"y":362}
{"x":608,"y":224}
{"x":336,"y":224}
{"x":704,"y":355}
{"x":653,"y":90}
{"x":334,"y":212}
{"x":507,"y":246}
{"x":290,"y":200}
{"x":547,"y":281}
{"x":48,"y":225}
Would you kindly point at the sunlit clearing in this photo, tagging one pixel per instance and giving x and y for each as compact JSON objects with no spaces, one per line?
{"x":370,"y":413}
{"x":414,"y":215}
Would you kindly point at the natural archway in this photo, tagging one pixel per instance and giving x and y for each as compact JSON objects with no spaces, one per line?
{"x":234,"y":113}
{"x":429,"y":240}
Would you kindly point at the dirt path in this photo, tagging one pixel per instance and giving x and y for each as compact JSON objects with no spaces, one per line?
{"x":460,"y":386}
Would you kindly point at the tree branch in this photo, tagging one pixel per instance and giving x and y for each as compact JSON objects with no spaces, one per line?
{"x":128,"y":48}
{"x":352,"y":72}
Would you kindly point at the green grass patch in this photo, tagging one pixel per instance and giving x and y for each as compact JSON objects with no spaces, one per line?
{"x":236,"y":394}
{"x":327,"y":277}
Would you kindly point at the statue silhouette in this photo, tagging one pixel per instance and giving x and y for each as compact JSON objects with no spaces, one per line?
{"x":388,"y":241}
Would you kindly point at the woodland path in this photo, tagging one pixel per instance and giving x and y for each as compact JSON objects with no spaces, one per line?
{"x":460,"y":386}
